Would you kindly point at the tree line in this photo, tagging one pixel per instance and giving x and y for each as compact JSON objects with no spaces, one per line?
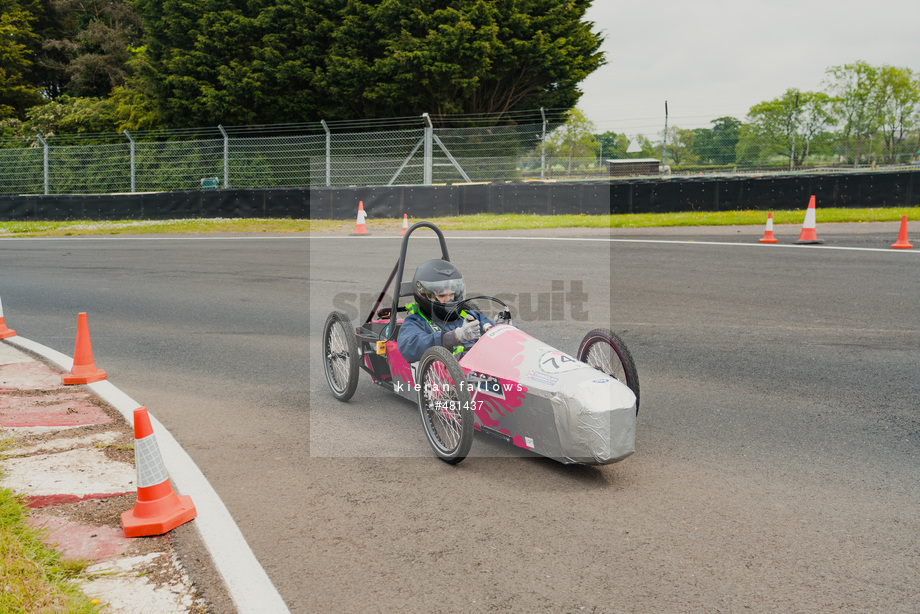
{"x":72,"y":66}
{"x":866,"y":114}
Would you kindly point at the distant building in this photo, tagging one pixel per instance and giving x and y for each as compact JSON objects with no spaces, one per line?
{"x":633,"y":167}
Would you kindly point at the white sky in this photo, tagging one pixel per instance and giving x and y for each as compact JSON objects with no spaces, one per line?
{"x":712,"y":58}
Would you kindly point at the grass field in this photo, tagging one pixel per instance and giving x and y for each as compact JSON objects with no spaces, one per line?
{"x":470,"y":222}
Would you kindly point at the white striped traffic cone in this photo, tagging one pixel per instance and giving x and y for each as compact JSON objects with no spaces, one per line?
{"x":768,"y":233}
{"x":158,"y":509}
{"x":809,"y":234}
{"x":360,"y":229}
{"x":5,"y":333}
{"x":405,"y":227}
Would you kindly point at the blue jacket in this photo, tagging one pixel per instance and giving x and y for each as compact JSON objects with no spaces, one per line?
{"x":416,"y":335}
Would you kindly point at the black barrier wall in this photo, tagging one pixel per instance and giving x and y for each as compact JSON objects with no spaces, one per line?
{"x":845,"y":190}
{"x":705,"y":193}
{"x":274,"y":203}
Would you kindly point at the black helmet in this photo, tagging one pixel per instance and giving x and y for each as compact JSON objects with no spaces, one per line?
{"x":438,"y":277}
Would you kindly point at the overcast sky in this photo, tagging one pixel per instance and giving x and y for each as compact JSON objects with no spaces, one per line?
{"x":712,"y":58}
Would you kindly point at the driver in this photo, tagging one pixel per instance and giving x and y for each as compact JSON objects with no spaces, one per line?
{"x":437,"y":317}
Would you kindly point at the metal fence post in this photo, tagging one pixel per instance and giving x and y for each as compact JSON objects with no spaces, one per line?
{"x":45,"y":165}
{"x":664,"y":141}
{"x":795,"y":113}
{"x":328,"y":153}
{"x":128,"y":135}
{"x":428,"y":176}
{"x":543,"y":147}
{"x":226,"y":156}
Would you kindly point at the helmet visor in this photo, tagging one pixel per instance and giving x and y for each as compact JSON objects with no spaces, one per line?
{"x":443,"y":291}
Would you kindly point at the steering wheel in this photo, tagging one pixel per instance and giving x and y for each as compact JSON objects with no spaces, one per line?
{"x":503,"y":316}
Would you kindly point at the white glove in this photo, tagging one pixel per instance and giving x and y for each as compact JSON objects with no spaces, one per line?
{"x":469,"y":332}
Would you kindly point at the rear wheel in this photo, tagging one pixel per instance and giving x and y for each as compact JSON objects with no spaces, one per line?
{"x":340,"y":355}
{"x":605,"y":351}
{"x":445,"y":406}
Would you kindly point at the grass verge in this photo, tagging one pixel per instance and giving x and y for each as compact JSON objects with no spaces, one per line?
{"x":34,"y":577}
{"x":469,"y":222}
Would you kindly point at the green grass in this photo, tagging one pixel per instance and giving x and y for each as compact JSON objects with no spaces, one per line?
{"x":468,"y":222}
{"x":33,"y":577}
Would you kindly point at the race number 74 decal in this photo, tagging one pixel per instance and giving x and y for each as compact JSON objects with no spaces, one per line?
{"x":559,"y":362}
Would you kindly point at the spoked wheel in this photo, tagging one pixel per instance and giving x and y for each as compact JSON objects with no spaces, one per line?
{"x":605,"y":351}
{"x":445,"y":405}
{"x":340,"y":355}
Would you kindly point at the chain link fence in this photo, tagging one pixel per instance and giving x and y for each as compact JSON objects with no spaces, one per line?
{"x":426,"y":150}
{"x":399,"y":151}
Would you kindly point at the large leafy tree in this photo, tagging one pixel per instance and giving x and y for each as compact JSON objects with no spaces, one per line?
{"x":680,"y":146}
{"x":276,"y":61}
{"x":788,"y":125}
{"x":716,"y":145}
{"x":857,"y":102}
{"x":900,"y":109}
{"x":612,"y":145}
{"x":571,"y":141}
{"x":17,"y":44}
{"x":86,"y":46}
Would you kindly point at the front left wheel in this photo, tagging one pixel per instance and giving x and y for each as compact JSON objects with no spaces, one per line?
{"x":340,"y":355}
{"x":445,"y":406}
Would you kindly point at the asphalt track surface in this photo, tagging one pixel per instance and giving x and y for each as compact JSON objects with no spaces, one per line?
{"x":778,"y":442}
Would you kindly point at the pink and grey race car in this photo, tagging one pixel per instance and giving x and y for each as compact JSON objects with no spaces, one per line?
{"x":574,"y":409}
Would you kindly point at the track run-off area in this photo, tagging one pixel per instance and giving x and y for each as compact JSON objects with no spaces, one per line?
{"x":778,"y":445}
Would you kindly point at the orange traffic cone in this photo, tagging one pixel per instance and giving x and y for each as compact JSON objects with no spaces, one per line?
{"x":809,"y":235}
{"x":901,"y":243}
{"x":405,"y":227}
{"x":359,"y":223}
{"x":84,"y":370}
{"x":5,"y":333}
{"x":768,"y":233}
{"x":158,"y":509}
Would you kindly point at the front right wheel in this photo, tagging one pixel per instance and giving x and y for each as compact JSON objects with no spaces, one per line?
{"x":445,"y":406}
{"x":340,"y":355}
{"x":605,"y":351}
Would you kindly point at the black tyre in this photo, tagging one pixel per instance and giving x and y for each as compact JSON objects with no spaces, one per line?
{"x":445,"y":406}
{"x":605,"y":351}
{"x":340,"y":355}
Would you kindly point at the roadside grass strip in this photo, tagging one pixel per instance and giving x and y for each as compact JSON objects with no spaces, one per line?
{"x":481,"y":221}
{"x":33,"y":576}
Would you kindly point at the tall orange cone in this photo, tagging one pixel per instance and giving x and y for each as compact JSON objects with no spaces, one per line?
{"x":768,"y":233}
{"x":84,"y":370}
{"x":5,"y":333}
{"x":901,"y":243}
{"x":405,"y":227}
{"x":158,"y":508}
{"x":809,"y":234}
{"x":359,"y":223}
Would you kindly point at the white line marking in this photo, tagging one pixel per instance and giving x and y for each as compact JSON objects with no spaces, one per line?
{"x":653,"y":241}
{"x":468,"y":238}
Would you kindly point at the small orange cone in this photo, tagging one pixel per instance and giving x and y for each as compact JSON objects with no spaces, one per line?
{"x":809,"y":234}
{"x":405,"y":227}
{"x":84,"y":370}
{"x":359,"y":223}
{"x":768,"y":233}
{"x":158,"y":509}
{"x":901,"y":243}
{"x":5,"y":333}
